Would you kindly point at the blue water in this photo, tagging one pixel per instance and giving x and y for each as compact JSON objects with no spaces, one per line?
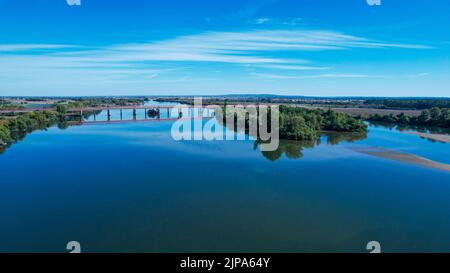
{"x":131,"y":188}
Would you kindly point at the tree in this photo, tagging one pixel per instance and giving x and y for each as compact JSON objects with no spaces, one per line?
{"x":295,"y":127}
{"x":402,"y":118}
{"x":61,"y":109}
{"x":435,"y":113}
{"x":424,"y":117}
{"x":5,"y":136}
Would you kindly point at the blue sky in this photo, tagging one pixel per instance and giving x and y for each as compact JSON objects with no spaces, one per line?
{"x":288,"y":47}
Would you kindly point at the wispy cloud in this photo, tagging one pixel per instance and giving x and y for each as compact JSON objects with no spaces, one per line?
{"x":229,"y":47}
{"x":295,"y":67}
{"x":144,"y":62}
{"x":317,"y":76}
{"x":28,"y":47}
{"x":278,"y":21}
{"x":337,"y":75}
{"x":272,"y":76}
{"x":424,"y":74}
{"x":260,"y":21}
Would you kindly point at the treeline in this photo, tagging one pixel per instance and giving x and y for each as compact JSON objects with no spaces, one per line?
{"x":15,"y":128}
{"x":416,"y":104}
{"x":93,"y":102}
{"x":438,"y":117}
{"x":7,"y":105}
{"x":298,"y":123}
{"x":62,"y":105}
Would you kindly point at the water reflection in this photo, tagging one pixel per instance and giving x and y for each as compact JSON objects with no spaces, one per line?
{"x":293,"y":149}
{"x":290,"y":148}
{"x":334,"y":138}
{"x":405,"y":127}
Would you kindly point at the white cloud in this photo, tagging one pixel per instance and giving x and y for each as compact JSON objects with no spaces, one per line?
{"x":277,"y":21}
{"x":148,"y":62}
{"x":295,"y":67}
{"x":317,"y":76}
{"x":341,"y":76}
{"x":260,"y":21}
{"x":251,"y":47}
{"x":273,"y":76}
{"x":27,"y":47}
{"x":424,"y":74}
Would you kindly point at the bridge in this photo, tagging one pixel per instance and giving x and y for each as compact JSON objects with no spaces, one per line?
{"x":193,"y":112}
{"x":99,"y":108}
{"x":95,"y":122}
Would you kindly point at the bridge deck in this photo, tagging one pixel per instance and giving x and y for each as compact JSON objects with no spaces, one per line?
{"x":137,"y":107}
{"x":115,"y":107}
{"x":93,"y":122}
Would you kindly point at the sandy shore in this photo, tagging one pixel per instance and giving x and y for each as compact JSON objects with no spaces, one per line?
{"x":436,"y":137}
{"x":403,"y":157}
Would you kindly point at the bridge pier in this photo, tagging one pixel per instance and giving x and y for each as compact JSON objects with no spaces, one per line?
{"x":134,"y":114}
{"x":121,"y":117}
{"x":109,"y":115}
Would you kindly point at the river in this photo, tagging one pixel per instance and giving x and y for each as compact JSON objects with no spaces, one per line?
{"x":131,"y":188}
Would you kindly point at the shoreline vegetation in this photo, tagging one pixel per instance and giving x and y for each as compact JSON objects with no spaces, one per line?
{"x":307,"y":124}
{"x":406,"y":104}
{"x":434,"y":117}
{"x":299,"y":128}
{"x":414,"y":112}
{"x":15,"y":126}
{"x":297,"y":122}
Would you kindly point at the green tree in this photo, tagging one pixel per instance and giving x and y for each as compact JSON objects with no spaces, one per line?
{"x":424,"y":117}
{"x":435,"y":113}
{"x":61,"y":109}
{"x":5,"y":136}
